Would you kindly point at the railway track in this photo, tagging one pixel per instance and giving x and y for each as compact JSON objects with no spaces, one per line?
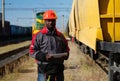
{"x":110,"y":65}
{"x":12,"y":62}
{"x":103,"y":62}
{"x":12,"y":52}
{"x":12,"y":56}
{"x":107,"y":61}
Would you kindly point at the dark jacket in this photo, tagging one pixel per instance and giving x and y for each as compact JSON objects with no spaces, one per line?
{"x":47,"y":42}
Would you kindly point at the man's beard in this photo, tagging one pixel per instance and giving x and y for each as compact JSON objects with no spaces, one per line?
{"x":51,"y":27}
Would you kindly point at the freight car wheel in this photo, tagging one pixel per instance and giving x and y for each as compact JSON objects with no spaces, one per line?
{"x":84,"y":49}
{"x":93,"y":55}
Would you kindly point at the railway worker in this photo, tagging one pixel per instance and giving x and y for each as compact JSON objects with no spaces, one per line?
{"x":49,"y":41}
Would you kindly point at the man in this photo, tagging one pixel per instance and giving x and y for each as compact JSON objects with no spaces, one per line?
{"x":45,"y":45}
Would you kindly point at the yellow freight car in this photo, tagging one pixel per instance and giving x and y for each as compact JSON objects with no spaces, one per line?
{"x":95,"y":24}
{"x":95,"y":20}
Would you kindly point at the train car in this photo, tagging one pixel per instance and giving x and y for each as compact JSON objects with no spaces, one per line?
{"x":95,"y":21}
{"x":95,"y":24}
{"x":20,"y":31}
{"x":39,"y":23}
{"x":10,"y":31}
{"x":7,"y":30}
{"x":0,"y":28}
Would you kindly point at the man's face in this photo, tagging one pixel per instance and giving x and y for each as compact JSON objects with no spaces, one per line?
{"x":50,"y":23}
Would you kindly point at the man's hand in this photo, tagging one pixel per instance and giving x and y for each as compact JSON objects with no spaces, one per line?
{"x":48,"y":56}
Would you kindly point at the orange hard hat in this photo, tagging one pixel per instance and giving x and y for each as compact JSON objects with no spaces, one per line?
{"x":49,"y":14}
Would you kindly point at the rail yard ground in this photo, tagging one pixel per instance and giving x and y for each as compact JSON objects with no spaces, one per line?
{"x":79,"y":67}
{"x":13,"y":46}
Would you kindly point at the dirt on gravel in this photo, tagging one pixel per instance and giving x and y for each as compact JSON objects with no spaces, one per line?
{"x":79,"y":67}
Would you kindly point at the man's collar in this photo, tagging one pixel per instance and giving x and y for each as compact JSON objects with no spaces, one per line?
{"x":46,"y":31}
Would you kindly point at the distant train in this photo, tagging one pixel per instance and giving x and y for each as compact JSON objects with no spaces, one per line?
{"x":20,"y":30}
{"x":39,"y":23}
{"x":14,"y":31}
{"x":7,"y":29}
{"x":95,"y":25}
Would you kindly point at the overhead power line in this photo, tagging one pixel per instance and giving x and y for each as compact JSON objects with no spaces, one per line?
{"x":25,"y":18}
{"x":40,"y":8}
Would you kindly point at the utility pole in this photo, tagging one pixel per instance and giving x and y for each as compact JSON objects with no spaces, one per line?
{"x":63,"y":23}
{"x":34,"y":15}
{"x":3,"y":16}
